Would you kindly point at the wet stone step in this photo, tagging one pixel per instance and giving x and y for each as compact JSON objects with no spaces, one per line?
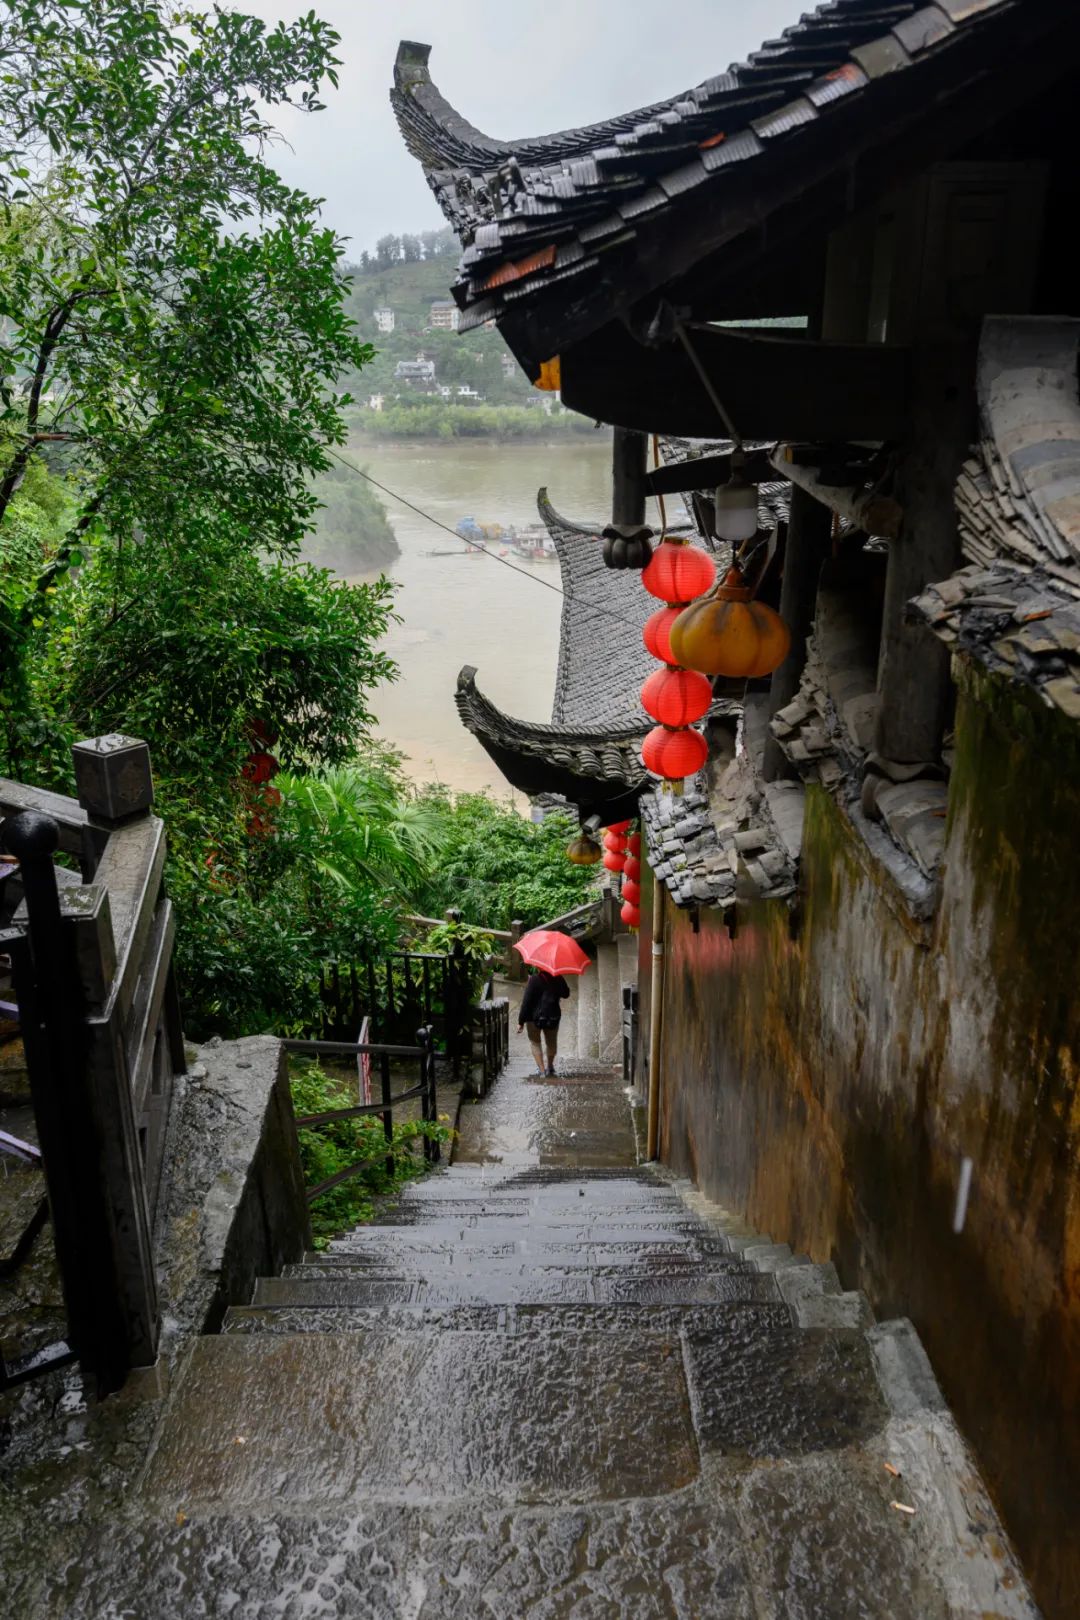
{"x":540,"y":1418}
{"x":539,"y":1285}
{"x":527,"y":1250}
{"x":716,"y":1320}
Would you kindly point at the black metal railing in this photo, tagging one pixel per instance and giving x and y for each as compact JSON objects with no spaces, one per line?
{"x":383,"y":1059}
{"x":491,"y":1042}
{"x":397,"y":994}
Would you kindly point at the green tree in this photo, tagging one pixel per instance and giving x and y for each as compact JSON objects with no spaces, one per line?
{"x":174,"y":312}
{"x":496,"y":866}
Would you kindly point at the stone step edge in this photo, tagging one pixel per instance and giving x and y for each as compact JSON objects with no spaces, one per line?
{"x":922,"y":1432}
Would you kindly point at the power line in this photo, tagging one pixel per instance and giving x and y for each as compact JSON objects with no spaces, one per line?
{"x":474,"y":545}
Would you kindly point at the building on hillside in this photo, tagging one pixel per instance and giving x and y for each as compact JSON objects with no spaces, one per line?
{"x":471,"y":396}
{"x":376,"y":402}
{"x":385,"y":319}
{"x":509,"y":366}
{"x":416,"y":374}
{"x":863,"y":918}
{"x":444,"y":315}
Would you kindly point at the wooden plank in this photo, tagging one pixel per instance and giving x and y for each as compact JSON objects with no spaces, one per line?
{"x":772,"y":387}
{"x":705,"y":472}
{"x":628,"y":458}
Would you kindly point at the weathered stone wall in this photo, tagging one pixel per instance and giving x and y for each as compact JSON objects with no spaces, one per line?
{"x":828,"y":1069}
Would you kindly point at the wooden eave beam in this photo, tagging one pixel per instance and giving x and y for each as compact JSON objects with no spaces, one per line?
{"x":771,"y":387}
{"x":865,"y":508}
{"x":705,"y":472}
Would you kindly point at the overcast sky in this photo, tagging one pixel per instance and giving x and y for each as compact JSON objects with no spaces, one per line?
{"x":512,"y":67}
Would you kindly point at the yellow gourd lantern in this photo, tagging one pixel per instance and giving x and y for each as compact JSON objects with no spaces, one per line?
{"x":583,"y":851}
{"x":728,"y":633}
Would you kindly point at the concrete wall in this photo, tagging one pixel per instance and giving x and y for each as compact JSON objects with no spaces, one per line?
{"x":828,"y":1069}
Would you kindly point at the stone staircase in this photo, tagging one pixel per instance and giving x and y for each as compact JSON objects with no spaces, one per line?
{"x":553,"y":1382}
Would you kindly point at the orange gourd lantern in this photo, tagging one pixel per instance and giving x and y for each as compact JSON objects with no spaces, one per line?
{"x":656,"y":632}
{"x":678,"y":572}
{"x":583,"y":851}
{"x":673,"y":754}
{"x":676,"y":697}
{"x":727,"y":633}
{"x":630,"y":915}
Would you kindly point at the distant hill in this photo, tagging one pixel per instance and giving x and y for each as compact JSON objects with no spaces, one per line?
{"x":410,"y":288}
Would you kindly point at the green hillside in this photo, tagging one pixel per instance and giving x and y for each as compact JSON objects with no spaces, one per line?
{"x":471,"y":358}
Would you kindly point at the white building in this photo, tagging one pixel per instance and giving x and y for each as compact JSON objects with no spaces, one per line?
{"x":376,"y":402}
{"x":465,"y":392}
{"x":384,"y":319}
{"x":445,"y":315}
{"x":416,"y":373}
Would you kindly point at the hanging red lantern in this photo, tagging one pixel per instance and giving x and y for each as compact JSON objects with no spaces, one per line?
{"x":631,"y":916}
{"x":615,"y":842}
{"x":632,"y":869}
{"x":676,"y":697}
{"x":657,"y":631}
{"x":673,"y":754}
{"x":631,"y":893}
{"x":678,"y":572}
{"x":729,"y":633}
{"x":633,"y":844}
{"x":614,"y":860}
{"x":619,"y":828}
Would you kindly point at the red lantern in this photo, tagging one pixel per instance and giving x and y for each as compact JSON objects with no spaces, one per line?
{"x":678,"y":572}
{"x":618,"y":828}
{"x":631,"y":916}
{"x":673,"y":754}
{"x":259,"y":767}
{"x":614,"y":860}
{"x":615,"y":842}
{"x":676,"y":697}
{"x":632,"y":869}
{"x":631,"y":893}
{"x":656,"y":633}
{"x":633,"y":844}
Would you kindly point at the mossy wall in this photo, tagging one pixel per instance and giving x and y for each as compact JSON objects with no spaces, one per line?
{"x":829,"y":1068}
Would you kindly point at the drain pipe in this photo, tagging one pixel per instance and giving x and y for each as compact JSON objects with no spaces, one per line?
{"x":656,"y":1014}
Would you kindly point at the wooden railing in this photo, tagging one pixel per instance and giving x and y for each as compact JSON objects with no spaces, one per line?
{"x":91,"y":957}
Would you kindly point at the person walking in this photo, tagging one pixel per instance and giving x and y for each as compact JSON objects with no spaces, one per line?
{"x":539,"y":1014}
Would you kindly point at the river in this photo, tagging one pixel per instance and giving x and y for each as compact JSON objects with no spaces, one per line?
{"x":465,"y":608}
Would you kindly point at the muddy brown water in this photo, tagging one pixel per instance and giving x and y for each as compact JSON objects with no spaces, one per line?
{"x":465,"y":608}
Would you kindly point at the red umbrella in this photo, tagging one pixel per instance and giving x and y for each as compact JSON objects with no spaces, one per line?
{"x":555,"y":953}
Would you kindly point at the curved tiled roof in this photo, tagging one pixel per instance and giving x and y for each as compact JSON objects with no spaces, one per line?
{"x":537,"y":212}
{"x":598,"y":758}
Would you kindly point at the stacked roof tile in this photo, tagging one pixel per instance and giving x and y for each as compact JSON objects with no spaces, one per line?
{"x":1016,"y":608}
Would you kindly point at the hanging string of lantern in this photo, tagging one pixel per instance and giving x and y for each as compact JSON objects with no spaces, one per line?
{"x":673,"y":696}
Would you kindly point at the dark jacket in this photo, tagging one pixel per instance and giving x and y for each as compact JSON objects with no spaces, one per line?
{"x":540,"y":1003}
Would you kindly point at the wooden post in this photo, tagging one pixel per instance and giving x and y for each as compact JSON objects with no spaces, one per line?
{"x":628,"y":456}
{"x":913,"y":674}
{"x":807,"y":546}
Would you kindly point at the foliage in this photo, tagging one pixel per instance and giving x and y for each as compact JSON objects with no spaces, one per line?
{"x":327,"y":1149}
{"x":352,"y":531}
{"x":361,"y":829}
{"x":425,"y":418}
{"x":174,"y":313}
{"x":497,"y":867}
{"x":473,"y":946}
